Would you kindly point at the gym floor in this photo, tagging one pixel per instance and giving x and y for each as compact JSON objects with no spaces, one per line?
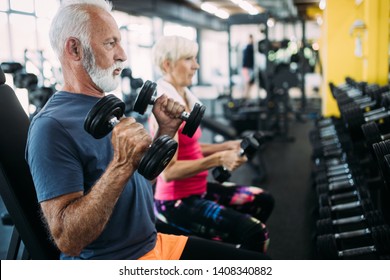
{"x":291,"y":225}
{"x":287,"y":168}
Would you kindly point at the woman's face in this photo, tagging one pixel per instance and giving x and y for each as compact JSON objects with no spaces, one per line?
{"x":183,"y":70}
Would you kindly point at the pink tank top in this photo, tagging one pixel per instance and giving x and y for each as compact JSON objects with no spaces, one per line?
{"x":189,"y":149}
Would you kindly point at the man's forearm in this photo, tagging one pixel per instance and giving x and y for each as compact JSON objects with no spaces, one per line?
{"x":83,"y":219}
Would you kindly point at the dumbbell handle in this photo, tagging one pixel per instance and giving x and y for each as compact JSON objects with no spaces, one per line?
{"x":341,"y":185}
{"x":349,"y":220}
{"x":351,"y":234}
{"x":240,"y":154}
{"x":357,"y":251}
{"x":184,"y":116}
{"x":377,"y":116}
{"x":346,"y":206}
{"x":113,"y":121}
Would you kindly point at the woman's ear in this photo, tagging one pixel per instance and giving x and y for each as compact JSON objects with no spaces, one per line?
{"x":73,"y":48}
{"x":166,"y":65}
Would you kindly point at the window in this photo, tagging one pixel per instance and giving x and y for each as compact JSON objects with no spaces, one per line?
{"x":26,"y":6}
{"x":179,"y":30}
{"x":46,"y":9}
{"x":5,"y":53}
{"x":23,"y":35}
{"x":4,"y":5}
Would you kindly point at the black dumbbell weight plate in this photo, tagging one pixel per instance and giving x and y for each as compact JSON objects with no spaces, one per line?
{"x":194,"y":119}
{"x":381,"y":238}
{"x":382,"y":149}
{"x":144,"y":97}
{"x":371,"y":133}
{"x":374,"y":218}
{"x":353,"y":117}
{"x":97,"y":121}
{"x":324,"y":226}
{"x":221,"y":174}
{"x":387,"y":172}
{"x":327,"y":247}
{"x":157,"y":157}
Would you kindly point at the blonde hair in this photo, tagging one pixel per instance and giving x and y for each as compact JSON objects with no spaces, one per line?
{"x":172,"y":48}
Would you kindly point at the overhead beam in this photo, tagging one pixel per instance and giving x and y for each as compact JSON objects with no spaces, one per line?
{"x":172,"y":11}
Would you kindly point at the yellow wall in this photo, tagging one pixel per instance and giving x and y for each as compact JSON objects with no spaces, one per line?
{"x":376,"y":43}
{"x":339,"y":41}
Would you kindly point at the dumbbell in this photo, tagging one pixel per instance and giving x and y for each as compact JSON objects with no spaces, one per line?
{"x":346,"y":209}
{"x":382,"y":153}
{"x":373,"y":134}
{"x":354,"y":117}
{"x":249,"y":146}
{"x":337,"y":184}
{"x":102,"y":118}
{"x":147,"y":96}
{"x":325,"y":199}
{"x":378,"y":243}
{"x":369,"y":219}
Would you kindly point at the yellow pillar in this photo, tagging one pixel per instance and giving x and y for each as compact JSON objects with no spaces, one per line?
{"x":355,"y":43}
{"x":376,"y":41}
{"x":338,"y":58}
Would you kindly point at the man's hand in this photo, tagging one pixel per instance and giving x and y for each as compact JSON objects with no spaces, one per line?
{"x":130,"y":141}
{"x":167,"y":113}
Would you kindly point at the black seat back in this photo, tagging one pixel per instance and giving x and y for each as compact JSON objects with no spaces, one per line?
{"x":16,"y":184}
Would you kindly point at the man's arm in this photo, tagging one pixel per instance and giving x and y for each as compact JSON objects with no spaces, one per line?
{"x":77,"y":219}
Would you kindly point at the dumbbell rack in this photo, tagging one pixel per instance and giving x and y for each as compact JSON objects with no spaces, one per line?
{"x":350,"y":219}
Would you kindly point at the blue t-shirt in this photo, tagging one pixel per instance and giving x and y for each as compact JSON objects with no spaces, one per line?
{"x":64,"y":158}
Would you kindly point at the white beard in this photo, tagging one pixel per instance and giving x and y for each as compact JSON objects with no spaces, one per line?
{"x":103,"y":78}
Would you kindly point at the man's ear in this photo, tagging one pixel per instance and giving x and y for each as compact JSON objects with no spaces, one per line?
{"x":73,"y":48}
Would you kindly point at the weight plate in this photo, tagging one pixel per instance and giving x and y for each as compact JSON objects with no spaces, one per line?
{"x":324,"y":226}
{"x":381,"y":238}
{"x":221,"y":174}
{"x":194,"y":120}
{"x":144,"y":97}
{"x":97,"y":121}
{"x":157,"y":157}
{"x":371,"y":133}
{"x":327,"y":247}
{"x":382,"y":149}
{"x":374,"y":218}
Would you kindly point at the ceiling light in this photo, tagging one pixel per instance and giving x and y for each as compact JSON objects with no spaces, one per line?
{"x":222,"y":14}
{"x":270,"y":22}
{"x":210,"y":8}
{"x":248,"y":7}
{"x":322,"y":4}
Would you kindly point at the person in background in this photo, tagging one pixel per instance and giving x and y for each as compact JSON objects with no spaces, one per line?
{"x":95,"y":203}
{"x":248,"y":64}
{"x":183,"y":197}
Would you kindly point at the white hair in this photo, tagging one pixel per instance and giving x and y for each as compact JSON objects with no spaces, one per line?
{"x":173,"y":48}
{"x":71,"y":20}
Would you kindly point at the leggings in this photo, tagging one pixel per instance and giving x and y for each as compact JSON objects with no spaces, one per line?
{"x":245,"y":199}
{"x":203,"y":249}
{"x":208,"y":217}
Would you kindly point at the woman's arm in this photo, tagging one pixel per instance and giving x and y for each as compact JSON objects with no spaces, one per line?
{"x":181,"y":169}
{"x":209,"y":149}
